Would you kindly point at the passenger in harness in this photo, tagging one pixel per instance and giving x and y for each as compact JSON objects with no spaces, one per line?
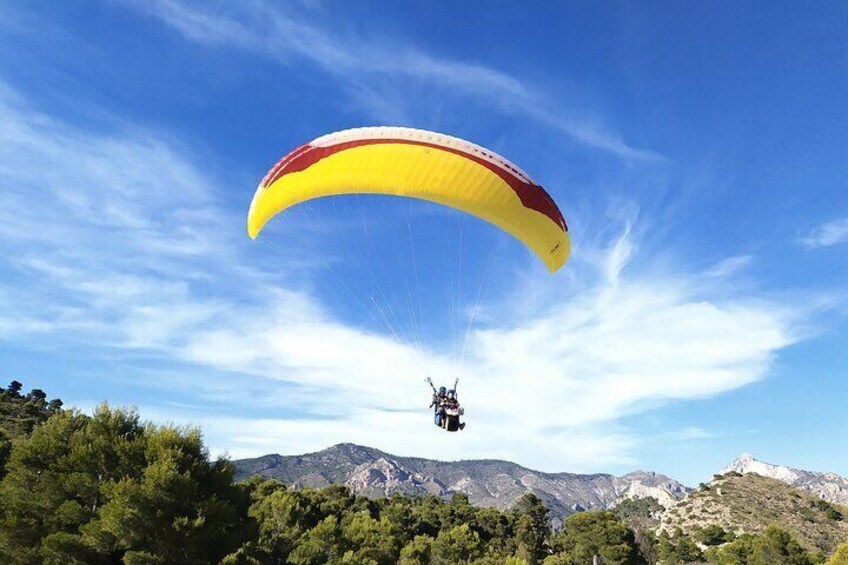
{"x":437,"y":404}
{"x":446,"y":408}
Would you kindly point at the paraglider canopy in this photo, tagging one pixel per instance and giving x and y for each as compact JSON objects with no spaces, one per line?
{"x":416,"y":164}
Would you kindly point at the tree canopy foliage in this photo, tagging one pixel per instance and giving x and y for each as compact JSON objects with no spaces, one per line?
{"x":108,"y":489}
{"x":20,"y":414}
{"x":774,"y":545}
{"x":840,"y":556}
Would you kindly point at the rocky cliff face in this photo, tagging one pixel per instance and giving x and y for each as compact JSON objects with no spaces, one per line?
{"x":829,"y":486}
{"x":500,"y":484}
{"x":644,"y":484}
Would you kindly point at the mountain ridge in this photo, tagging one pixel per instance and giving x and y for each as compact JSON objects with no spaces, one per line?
{"x":500,"y":483}
{"x":486,"y":482}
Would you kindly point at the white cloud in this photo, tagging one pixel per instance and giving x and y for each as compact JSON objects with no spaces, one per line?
{"x":545,"y":390}
{"x":360,"y":60}
{"x":94,"y":232}
{"x":831,"y":233}
{"x":729,"y":266}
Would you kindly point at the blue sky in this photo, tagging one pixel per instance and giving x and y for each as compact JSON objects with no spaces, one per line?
{"x":699,"y":153}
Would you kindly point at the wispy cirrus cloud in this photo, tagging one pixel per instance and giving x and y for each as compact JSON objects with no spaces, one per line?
{"x":276,"y":33}
{"x":828,"y":234}
{"x":118,"y":240}
{"x":361,"y":61}
{"x":729,"y":266}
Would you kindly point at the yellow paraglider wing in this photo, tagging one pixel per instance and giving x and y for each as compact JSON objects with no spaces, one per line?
{"x":416,"y":164}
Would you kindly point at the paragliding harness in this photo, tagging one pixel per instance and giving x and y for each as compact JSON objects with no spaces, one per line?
{"x":447,"y":410}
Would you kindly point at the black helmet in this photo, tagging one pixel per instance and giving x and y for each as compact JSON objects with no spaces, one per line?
{"x":442,"y":390}
{"x":451,"y":393}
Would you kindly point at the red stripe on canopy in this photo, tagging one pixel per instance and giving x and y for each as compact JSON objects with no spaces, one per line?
{"x":532,"y":195}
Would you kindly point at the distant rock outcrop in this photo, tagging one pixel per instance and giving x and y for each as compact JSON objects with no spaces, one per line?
{"x":500,"y":484}
{"x":828,"y":486}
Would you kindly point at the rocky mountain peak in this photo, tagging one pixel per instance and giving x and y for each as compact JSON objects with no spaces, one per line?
{"x":829,"y":486}
{"x":746,"y":463}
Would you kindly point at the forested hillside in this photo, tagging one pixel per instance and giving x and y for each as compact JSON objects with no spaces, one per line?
{"x":109,"y":488}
